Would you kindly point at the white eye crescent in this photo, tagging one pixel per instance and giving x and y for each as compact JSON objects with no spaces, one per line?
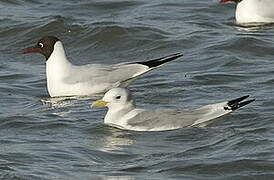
{"x":41,"y":45}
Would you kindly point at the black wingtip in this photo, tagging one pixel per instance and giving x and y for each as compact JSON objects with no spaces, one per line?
{"x":234,"y":101}
{"x":159,"y":61}
{"x":237,"y":103}
{"x":246,"y":102}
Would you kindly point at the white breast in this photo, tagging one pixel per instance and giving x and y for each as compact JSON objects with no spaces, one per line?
{"x":57,"y":68}
{"x":255,"y":11}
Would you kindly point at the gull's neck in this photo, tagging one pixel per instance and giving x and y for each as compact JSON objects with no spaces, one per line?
{"x":116,"y":112}
{"x":58,"y":56}
{"x":57,"y":68}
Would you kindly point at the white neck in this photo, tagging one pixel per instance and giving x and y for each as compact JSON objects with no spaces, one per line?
{"x":116,"y":113}
{"x":57,"y":67}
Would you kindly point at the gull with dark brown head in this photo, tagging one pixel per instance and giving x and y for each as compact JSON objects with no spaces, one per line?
{"x":67,"y":79}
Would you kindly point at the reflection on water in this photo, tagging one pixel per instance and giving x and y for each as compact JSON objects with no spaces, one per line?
{"x":253,"y":27}
{"x":65,"y":105}
{"x":114,"y":140}
{"x":58,"y":102}
{"x":59,"y":105}
{"x":116,"y":178}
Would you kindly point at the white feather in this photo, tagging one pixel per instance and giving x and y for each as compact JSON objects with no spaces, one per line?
{"x":255,"y":11}
{"x":123,"y":114}
{"x":66,"y":79}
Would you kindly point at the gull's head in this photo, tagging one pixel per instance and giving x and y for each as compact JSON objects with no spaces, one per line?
{"x":115,"y":97}
{"x":224,"y":1}
{"x":44,"y":46}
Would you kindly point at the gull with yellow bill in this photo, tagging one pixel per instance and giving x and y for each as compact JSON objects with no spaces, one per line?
{"x":122,"y":113}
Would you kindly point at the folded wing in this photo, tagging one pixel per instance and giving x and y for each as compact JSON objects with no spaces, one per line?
{"x":117,"y":74}
{"x":167,"y":119}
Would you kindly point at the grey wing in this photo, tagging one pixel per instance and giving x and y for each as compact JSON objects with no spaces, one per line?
{"x":99,"y":74}
{"x":165,"y":119}
{"x":121,"y":74}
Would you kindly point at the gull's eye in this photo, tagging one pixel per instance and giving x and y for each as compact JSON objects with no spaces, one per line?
{"x":41,"y":45}
{"x":118,"y":97}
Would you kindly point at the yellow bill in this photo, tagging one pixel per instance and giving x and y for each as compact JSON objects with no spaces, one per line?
{"x":99,"y":103}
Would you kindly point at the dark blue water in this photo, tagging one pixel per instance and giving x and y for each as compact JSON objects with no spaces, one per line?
{"x":45,"y":138}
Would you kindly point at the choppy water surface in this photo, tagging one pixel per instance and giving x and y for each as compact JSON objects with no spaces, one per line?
{"x":45,"y":138}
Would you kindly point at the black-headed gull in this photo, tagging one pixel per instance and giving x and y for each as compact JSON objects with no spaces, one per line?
{"x":253,"y":11}
{"x":123,"y":114}
{"x":67,"y":79}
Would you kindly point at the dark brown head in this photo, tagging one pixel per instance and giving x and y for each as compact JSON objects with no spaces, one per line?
{"x":224,"y":1}
{"x":44,"y":46}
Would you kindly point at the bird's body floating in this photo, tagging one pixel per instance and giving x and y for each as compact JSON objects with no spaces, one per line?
{"x":67,"y":79}
{"x":252,"y":12}
{"x":123,"y":114}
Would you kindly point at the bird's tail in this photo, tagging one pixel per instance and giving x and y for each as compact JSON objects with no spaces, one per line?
{"x":160,"y":61}
{"x":213,"y":111}
{"x":237,"y":103}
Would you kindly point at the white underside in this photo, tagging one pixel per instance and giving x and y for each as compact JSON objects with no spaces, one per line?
{"x":166,"y":119}
{"x":255,"y":11}
{"x":66,"y":79}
